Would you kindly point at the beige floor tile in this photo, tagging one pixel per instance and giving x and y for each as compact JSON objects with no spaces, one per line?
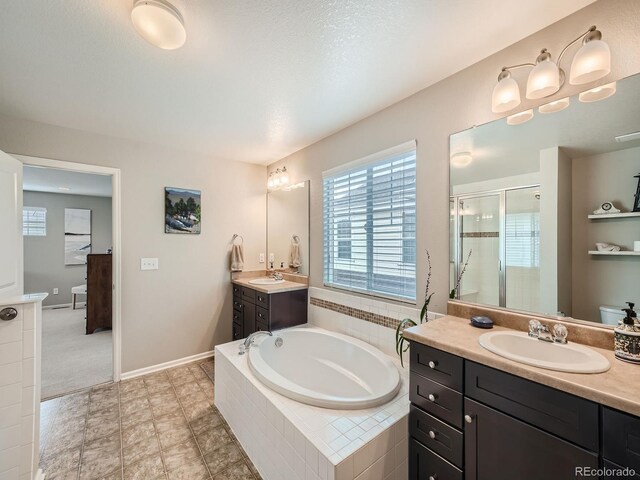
{"x":144,"y":448}
{"x":222,"y":458}
{"x":205,"y":421}
{"x":101,"y":426}
{"x":212,"y":439}
{"x":136,"y":417}
{"x":61,"y":463}
{"x":180,"y":454}
{"x":238,"y":471}
{"x":194,"y":470}
{"x":134,"y":405}
{"x":145,"y":469}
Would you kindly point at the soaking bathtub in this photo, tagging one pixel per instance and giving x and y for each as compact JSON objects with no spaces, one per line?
{"x":324,"y":369}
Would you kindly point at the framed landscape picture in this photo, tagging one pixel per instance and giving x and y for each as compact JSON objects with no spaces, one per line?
{"x":77,"y":235}
{"x":181,"y":210}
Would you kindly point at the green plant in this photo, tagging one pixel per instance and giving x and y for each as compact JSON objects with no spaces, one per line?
{"x":401,"y":343}
{"x":455,"y":290}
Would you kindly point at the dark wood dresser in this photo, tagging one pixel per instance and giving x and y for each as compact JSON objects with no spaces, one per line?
{"x":99,"y":291}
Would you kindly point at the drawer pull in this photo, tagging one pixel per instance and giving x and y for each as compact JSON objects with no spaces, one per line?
{"x":468,"y":418}
{"x":432,"y":434}
{"x":433,"y":364}
{"x":260,"y":299}
{"x":433,"y":477}
{"x":432,"y":397}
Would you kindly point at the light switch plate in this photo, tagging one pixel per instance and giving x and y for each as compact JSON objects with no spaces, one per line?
{"x":55,"y":291}
{"x":262,"y":258}
{"x":148,"y":264}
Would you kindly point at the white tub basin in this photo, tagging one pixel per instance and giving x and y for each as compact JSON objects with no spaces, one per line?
{"x":520,"y":347}
{"x":265,"y":281}
{"x":325,"y":369}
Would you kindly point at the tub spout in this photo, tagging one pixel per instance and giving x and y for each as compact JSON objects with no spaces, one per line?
{"x":249,"y":340}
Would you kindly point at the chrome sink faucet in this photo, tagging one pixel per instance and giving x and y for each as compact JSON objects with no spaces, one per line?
{"x":277,"y":276}
{"x":249,"y":340}
{"x":542,"y":332}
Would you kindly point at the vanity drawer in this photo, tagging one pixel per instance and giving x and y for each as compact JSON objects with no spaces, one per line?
{"x":424,"y":464}
{"x":249,"y":294}
{"x":237,"y":316}
{"x":237,"y":290}
{"x":262,"y":300}
{"x":437,"y":365}
{"x":262,"y":326}
{"x":567,"y":416}
{"x":237,"y":304}
{"x":436,"y":399}
{"x":237,"y":330}
{"x":436,"y":435}
{"x":262,"y":314}
{"x":621,"y":438}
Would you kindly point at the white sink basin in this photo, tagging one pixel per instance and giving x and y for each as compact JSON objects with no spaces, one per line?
{"x":265,"y":281}
{"x":520,"y":347}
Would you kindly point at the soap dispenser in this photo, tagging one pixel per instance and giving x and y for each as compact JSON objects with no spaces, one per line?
{"x":627,"y":337}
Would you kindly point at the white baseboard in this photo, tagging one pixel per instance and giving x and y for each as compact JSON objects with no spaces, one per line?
{"x":164,"y":366}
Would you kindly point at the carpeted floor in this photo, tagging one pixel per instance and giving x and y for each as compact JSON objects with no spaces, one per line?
{"x":72,"y":360}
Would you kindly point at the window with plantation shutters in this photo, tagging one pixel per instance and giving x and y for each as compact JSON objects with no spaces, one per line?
{"x":34,"y":222}
{"x":370,"y":225}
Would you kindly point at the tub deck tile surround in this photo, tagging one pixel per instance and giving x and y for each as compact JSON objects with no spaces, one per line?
{"x":616,"y":388}
{"x":159,"y":426}
{"x":290,"y":440}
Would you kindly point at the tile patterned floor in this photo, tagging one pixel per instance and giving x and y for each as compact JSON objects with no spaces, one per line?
{"x":160,"y":426}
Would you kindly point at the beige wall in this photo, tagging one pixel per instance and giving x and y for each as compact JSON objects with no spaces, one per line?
{"x":44,"y":267}
{"x":184,"y":308}
{"x":604,"y":280}
{"x":450,"y":106}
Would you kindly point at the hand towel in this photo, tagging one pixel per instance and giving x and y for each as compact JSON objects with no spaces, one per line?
{"x":294,"y":255}
{"x":237,"y":258}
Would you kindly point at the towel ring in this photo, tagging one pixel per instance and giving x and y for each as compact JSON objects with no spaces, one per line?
{"x":233,"y":240}
{"x":296,"y":238}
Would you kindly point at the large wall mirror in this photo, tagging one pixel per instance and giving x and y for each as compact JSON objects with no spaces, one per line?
{"x":531,"y":210}
{"x":288,"y":229}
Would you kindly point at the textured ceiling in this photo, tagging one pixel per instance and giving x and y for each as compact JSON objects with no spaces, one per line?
{"x":256,"y":80}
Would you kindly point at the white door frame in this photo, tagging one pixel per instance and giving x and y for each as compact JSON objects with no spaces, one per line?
{"x":116,"y":218}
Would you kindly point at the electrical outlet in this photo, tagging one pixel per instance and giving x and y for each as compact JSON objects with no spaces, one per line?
{"x":149,"y":264}
{"x":262,"y":258}
{"x":272,"y":257}
{"x":55,"y":291}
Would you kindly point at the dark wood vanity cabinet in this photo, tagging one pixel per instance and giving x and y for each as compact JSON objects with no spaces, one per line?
{"x":474,"y":422}
{"x":254,"y":310}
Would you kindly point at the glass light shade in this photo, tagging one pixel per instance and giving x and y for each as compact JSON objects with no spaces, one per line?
{"x":284,"y":178}
{"x":521,"y":117}
{"x":159,"y":23}
{"x":461,"y":159}
{"x":544,"y":80}
{"x":598,"y":93}
{"x":555,"y":106}
{"x":506,"y":96}
{"x":591,"y":62}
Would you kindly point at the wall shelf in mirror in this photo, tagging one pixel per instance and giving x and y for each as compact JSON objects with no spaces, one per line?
{"x":615,"y":215}
{"x":627,"y":253}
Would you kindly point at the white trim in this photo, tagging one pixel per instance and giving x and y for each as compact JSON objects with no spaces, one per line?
{"x":40,"y":475}
{"x":405,"y":147}
{"x":165,"y":365}
{"x":116,"y":220}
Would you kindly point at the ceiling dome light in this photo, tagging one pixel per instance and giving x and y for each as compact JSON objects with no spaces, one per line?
{"x":159,"y":23}
{"x":592,"y":61}
{"x":506,"y":94}
{"x":544,"y":79}
{"x":461,"y":159}
{"x":518,"y":118}
{"x":598,"y":93}
{"x":553,"y":107}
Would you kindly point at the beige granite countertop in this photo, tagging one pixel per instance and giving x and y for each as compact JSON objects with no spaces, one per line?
{"x":286,"y":286}
{"x":618,"y":388}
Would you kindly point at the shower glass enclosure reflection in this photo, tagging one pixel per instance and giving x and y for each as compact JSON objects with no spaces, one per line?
{"x":499,"y":232}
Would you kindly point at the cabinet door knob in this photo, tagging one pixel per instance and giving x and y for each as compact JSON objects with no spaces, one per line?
{"x":7,"y":314}
{"x":432,"y":397}
{"x":468,"y":418}
{"x":432,"y":434}
{"x":433,"y":477}
{"x":432,"y":364}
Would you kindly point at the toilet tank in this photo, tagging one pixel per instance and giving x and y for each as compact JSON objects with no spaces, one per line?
{"x":611,"y":315}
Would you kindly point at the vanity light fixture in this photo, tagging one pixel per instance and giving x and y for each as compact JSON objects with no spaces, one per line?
{"x":591,"y":62}
{"x":461,"y":159}
{"x":159,"y":23}
{"x":520,"y":117}
{"x":278,"y":179}
{"x":598,"y":93}
{"x":554,"y":106}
